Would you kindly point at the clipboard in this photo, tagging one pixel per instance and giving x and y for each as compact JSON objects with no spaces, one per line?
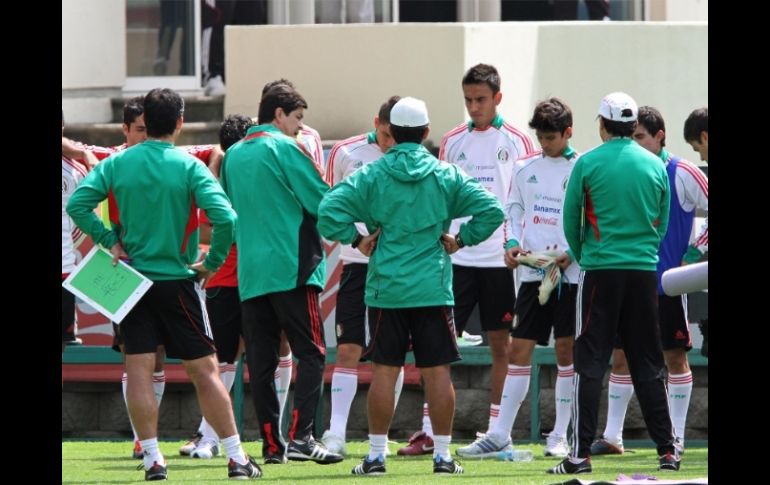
{"x":113,"y":290}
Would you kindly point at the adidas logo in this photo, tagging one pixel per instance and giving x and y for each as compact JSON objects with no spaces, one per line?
{"x":508,"y":317}
{"x":532,"y":179}
{"x":679,"y":335}
{"x":461,"y":157}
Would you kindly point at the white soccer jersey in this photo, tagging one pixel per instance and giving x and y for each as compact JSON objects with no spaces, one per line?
{"x":345,"y":158}
{"x":535,"y":208}
{"x":311,"y":140}
{"x":488,"y":156}
{"x":692,"y":189}
{"x":72,"y":173}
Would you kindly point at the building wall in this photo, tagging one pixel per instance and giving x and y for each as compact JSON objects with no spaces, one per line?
{"x":93,"y":57}
{"x":346,"y":71}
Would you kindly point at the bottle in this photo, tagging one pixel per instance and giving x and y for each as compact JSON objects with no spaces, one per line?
{"x":514,"y":455}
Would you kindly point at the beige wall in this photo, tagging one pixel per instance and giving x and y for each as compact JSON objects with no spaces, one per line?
{"x":93,"y":57}
{"x":661,"y":64}
{"x":677,"y":10}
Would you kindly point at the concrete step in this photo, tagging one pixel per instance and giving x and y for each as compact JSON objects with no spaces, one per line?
{"x":196,"y":108}
{"x":111,"y":134}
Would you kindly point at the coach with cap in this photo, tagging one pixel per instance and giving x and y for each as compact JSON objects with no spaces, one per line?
{"x":615,"y":215}
{"x":407,"y":200}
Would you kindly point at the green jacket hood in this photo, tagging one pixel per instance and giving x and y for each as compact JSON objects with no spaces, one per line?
{"x":409,"y":162}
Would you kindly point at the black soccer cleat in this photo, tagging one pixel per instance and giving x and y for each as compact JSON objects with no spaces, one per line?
{"x":373,"y":468}
{"x":566,"y":467}
{"x":236,"y":471}
{"x":311,"y":450}
{"x":446,"y":466}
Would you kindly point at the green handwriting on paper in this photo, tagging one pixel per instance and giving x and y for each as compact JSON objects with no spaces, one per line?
{"x":109,"y":286}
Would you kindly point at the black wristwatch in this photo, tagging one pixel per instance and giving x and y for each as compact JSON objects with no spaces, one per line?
{"x":357,"y":240}
{"x":459,"y":241}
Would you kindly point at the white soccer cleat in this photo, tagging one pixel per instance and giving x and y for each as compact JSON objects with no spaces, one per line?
{"x":556,"y":446}
{"x":206,"y":450}
{"x":469,"y":340}
{"x":485,"y":447}
{"x":333,"y":442}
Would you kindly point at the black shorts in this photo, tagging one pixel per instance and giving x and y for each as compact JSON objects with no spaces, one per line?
{"x":674,"y":327}
{"x":67,"y":315}
{"x":429,"y":330}
{"x":534,"y":321}
{"x":491,"y":288}
{"x":117,"y":340}
{"x":224,"y":308}
{"x":351,"y":309}
{"x":172,"y":314}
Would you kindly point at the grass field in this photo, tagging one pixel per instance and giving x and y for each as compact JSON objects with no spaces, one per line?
{"x":108,"y":462}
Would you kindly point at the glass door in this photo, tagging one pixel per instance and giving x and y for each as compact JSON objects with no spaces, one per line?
{"x":163,"y":43}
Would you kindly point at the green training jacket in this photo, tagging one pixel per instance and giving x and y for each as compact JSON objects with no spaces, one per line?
{"x":413,"y":197}
{"x":155,"y":190}
{"x":624,"y":189}
{"x":275,"y":189}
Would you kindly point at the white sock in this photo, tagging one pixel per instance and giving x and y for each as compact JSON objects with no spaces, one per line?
{"x":282,"y":383}
{"x":123,"y":381}
{"x":152,"y":453}
{"x":514,"y":391}
{"x":441,"y":446}
{"x":233,"y":449}
{"x":159,"y":385}
{"x":227,"y":374}
{"x":620,"y":390}
{"x":377,"y":445}
{"x":563,"y":396}
{"x":399,"y":386}
{"x":344,"y":386}
{"x":679,"y":393}
{"x":427,"y":427}
{"x":494,"y":412}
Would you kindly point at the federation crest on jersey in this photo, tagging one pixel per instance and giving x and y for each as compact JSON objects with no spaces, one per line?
{"x":503,"y":155}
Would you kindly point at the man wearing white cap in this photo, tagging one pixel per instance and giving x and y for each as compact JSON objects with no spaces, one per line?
{"x":616,"y":212}
{"x":407,"y":199}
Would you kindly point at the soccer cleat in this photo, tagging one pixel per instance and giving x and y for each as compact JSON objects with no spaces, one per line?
{"x":334,"y":443}
{"x":155,"y":472}
{"x":469,"y":340}
{"x":373,"y":467}
{"x":137,"y":453}
{"x":485,"y":447}
{"x":604,"y":447}
{"x":446,"y":466}
{"x":550,"y":280}
{"x":236,"y":471}
{"x":188,"y":447}
{"x":566,"y":467}
{"x":215,"y":86}
{"x":556,"y":446}
{"x":311,"y":450}
{"x":206,"y":450}
{"x":275,"y":459}
{"x":669,"y":462}
{"x":419,"y":444}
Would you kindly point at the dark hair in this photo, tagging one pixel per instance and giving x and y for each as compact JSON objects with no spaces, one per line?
{"x":652,"y":121}
{"x":696,"y":123}
{"x":403,"y":134}
{"x":277,"y":82}
{"x":483,"y":74}
{"x":279,"y":96}
{"x":553,"y":114}
{"x":233,"y":129}
{"x":384,"y":113}
{"x":162,"y":109}
{"x":133,"y":109}
{"x":619,"y":128}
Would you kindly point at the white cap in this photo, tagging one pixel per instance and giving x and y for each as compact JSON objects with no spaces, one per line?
{"x":409,"y":113}
{"x":618,"y":107}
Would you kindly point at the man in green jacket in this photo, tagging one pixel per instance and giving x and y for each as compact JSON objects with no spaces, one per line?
{"x":616,"y":212}
{"x":407,"y":200}
{"x":155,"y":190}
{"x":275,"y":188}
